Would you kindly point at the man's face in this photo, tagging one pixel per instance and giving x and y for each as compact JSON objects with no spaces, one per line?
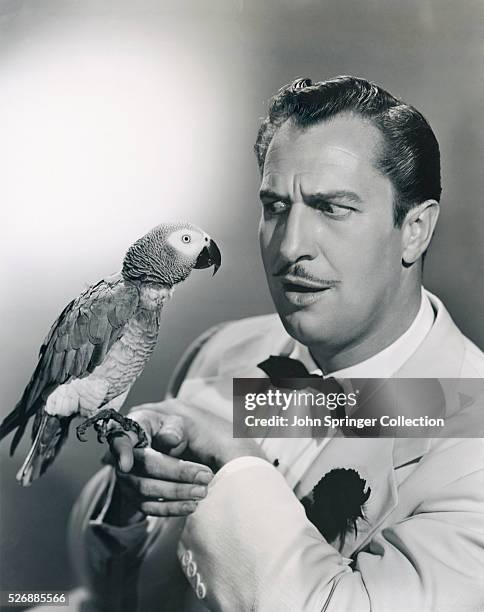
{"x":330,"y":249}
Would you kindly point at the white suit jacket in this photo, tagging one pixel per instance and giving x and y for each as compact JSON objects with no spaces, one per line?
{"x":249,"y":545}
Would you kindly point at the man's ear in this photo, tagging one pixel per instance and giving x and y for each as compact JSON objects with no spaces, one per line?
{"x":417,"y":230}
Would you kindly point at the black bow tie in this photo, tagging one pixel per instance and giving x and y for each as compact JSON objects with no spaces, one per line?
{"x":287,"y":373}
{"x":280,"y":368}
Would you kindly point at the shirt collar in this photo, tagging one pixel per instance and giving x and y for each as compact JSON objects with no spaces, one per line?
{"x":388,"y":361}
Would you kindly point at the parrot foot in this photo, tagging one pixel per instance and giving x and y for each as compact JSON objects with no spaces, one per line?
{"x":102,"y":430}
{"x":100,"y":422}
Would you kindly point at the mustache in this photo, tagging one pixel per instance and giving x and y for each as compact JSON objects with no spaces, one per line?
{"x":298,"y":271}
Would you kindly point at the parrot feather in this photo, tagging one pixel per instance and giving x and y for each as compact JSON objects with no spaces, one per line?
{"x":98,"y":327}
{"x":77,"y":365}
{"x":67,"y":368}
{"x":61,"y":344}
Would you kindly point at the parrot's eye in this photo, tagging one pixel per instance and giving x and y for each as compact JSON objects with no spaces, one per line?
{"x":186,"y":238}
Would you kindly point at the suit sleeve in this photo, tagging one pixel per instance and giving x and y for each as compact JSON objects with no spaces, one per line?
{"x":106,"y":558}
{"x":254,"y":549}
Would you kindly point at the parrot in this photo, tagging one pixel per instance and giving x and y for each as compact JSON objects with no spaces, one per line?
{"x":100,"y":344}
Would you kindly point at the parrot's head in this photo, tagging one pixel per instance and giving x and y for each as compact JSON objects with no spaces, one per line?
{"x":168,"y":253}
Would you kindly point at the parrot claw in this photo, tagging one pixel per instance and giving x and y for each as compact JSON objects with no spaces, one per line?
{"x":142,"y":437}
{"x":81,"y":434}
{"x":100,"y":422}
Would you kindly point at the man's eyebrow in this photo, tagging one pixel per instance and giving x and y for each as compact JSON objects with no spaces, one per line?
{"x":341,"y":194}
{"x":269,"y":194}
{"x":320,"y":196}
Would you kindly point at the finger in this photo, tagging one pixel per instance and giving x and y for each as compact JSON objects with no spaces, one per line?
{"x":177,"y":451}
{"x":151,"y":489}
{"x":172,"y":429}
{"x":153,"y":464}
{"x":122,"y":444}
{"x":162,"y":508}
{"x":171,"y":436}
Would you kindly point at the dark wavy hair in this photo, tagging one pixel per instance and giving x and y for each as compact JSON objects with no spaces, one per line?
{"x":410,"y":155}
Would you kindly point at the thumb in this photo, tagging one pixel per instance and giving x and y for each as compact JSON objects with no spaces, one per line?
{"x":171,"y":437}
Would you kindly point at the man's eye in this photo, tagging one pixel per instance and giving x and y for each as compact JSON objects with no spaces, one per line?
{"x":275,"y":208}
{"x":336,"y":212}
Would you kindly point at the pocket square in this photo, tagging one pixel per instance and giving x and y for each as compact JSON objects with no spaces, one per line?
{"x":336,"y":503}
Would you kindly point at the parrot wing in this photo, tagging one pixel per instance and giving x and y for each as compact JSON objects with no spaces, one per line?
{"x":77,"y":342}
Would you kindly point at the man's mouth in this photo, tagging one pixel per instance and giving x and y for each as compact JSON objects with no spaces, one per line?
{"x":302,"y":291}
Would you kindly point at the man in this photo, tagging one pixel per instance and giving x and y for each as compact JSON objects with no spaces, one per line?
{"x":350,"y":199}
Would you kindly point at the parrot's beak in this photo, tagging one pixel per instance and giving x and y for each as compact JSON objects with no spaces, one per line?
{"x":209,"y":256}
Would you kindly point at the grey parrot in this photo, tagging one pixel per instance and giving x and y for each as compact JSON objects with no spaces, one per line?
{"x":100,"y":344}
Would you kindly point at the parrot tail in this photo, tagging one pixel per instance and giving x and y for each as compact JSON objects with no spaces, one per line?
{"x":20,"y":416}
{"x":49,"y":432}
{"x":11,"y":422}
{"x":18,"y":420}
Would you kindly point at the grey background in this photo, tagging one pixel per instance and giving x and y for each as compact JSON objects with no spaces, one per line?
{"x":113,"y":114}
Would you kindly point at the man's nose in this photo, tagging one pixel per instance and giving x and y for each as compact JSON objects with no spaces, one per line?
{"x":297,"y":241}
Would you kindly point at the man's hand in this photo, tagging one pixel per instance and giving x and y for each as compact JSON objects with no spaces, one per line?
{"x":154,"y":480}
{"x":206,"y":438}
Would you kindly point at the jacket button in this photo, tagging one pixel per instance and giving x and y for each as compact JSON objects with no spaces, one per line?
{"x":191,"y":569}
{"x":186,"y":558}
